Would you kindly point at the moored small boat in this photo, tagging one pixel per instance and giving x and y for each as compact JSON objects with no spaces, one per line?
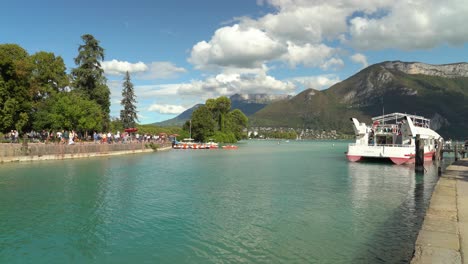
{"x":230,"y":147}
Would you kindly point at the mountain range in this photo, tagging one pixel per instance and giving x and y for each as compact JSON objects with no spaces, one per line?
{"x":439,"y":92}
{"x":249,"y":104}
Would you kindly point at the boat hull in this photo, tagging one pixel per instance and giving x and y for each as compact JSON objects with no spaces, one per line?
{"x":353,"y":158}
{"x":397,"y":154}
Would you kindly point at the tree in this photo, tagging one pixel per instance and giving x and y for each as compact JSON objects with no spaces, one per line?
{"x":129,"y":114}
{"x":88,"y":77}
{"x":203,"y":125}
{"x":219,"y":107}
{"x":48,"y":75}
{"x":236,"y":122}
{"x":68,"y":110}
{"x":223,"y":105}
{"x":213,"y":120}
{"x":15,"y":95}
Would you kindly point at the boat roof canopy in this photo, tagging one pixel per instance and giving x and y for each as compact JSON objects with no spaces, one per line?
{"x":395,"y":116}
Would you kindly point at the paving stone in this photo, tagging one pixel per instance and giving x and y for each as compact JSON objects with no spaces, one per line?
{"x":428,"y":255}
{"x":463,"y":227}
{"x":440,"y":225}
{"x":428,"y":238}
{"x":450,"y":215}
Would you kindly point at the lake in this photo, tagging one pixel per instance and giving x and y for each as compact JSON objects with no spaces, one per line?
{"x":292,"y":202}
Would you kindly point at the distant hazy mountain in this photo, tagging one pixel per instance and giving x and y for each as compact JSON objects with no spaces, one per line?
{"x":439,"y":92}
{"x":247,"y":103}
{"x":180,"y":119}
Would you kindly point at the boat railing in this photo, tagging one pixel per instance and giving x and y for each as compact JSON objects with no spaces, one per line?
{"x":382,"y":145}
{"x":395,"y":145}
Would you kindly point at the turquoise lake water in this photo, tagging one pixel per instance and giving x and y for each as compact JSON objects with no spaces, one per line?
{"x":297,"y":202}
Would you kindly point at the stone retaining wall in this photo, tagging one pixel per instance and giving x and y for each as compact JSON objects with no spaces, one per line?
{"x":40,"y":151}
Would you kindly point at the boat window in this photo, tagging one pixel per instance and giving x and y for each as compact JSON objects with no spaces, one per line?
{"x":384,"y":140}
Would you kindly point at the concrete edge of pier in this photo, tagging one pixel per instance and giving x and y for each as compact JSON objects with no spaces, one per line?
{"x":79,"y":155}
{"x":443,"y":237}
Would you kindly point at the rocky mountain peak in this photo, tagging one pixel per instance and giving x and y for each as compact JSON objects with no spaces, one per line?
{"x":259,"y":98}
{"x":453,"y":70}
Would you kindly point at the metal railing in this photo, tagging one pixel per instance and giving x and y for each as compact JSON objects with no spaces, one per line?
{"x":383,"y":145}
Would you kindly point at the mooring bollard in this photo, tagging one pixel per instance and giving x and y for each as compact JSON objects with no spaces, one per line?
{"x":455,"y":151}
{"x":419,"y":158}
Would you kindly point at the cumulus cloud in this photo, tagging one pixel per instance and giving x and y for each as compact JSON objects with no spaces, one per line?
{"x":115,"y":67}
{"x":311,"y":56}
{"x":229,"y":84}
{"x":162,"y":70}
{"x":304,"y":22}
{"x":166,"y":109}
{"x":411,"y":25}
{"x":360,"y":58}
{"x":236,"y":46}
{"x":154,"y":70}
{"x":319,"y":82}
{"x":306,"y":33}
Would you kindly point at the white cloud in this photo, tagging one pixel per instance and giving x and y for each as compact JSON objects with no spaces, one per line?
{"x":115,"y":67}
{"x":166,"y":109}
{"x":162,"y":70}
{"x":229,"y":84}
{"x":360,"y":58}
{"x":311,"y":56}
{"x":235,"y":46}
{"x":155,"y":70}
{"x":319,"y":82}
{"x":306,"y":33}
{"x":333,"y":63}
{"x":305,"y":23}
{"x":410,"y":25}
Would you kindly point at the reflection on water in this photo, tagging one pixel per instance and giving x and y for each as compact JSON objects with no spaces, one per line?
{"x":397,"y":187}
{"x":297,"y":202}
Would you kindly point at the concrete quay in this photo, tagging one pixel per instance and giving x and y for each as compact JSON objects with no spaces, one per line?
{"x":443,"y":237}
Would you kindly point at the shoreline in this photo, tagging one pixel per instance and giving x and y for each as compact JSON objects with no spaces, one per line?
{"x":80,"y":155}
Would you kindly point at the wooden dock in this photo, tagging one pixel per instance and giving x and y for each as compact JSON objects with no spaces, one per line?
{"x":459,"y":150}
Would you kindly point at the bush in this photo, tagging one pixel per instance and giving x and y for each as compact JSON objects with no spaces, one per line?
{"x":152,"y":145}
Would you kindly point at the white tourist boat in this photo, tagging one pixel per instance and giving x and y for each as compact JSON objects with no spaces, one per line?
{"x":392,"y":136}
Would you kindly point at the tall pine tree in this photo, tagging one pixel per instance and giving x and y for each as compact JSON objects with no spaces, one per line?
{"x":88,"y":77}
{"x":129,"y":114}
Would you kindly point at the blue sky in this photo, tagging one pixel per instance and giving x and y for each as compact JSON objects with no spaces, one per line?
{"x":180,"y":53}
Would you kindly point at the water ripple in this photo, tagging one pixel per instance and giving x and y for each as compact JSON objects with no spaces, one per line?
{"x":265,"y":203}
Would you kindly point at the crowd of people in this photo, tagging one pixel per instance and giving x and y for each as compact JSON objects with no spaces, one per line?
{"x":71,"y":137}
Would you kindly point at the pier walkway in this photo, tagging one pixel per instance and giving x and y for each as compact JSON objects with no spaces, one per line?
{"x":443,"y":237}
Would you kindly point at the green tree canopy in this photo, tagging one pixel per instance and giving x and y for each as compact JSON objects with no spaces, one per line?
{"x":236,"y":121}
{"x":88,"y":77}
{"x":48,"y":75}
{"x":213,"y":120}
{"x":203,"y":125}
{"x":15,"y":96}
{"x":129,"y":114}
{"x":68,"y":110}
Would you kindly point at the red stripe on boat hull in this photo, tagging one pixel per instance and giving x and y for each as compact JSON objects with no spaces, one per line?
{"x":354,"y":158}
{"x":399,"y":161}
{"x":411,"y":158}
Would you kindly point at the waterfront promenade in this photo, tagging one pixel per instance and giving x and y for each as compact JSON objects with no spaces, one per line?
{"x":38,"y":151}
{"x":443,"y":237}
